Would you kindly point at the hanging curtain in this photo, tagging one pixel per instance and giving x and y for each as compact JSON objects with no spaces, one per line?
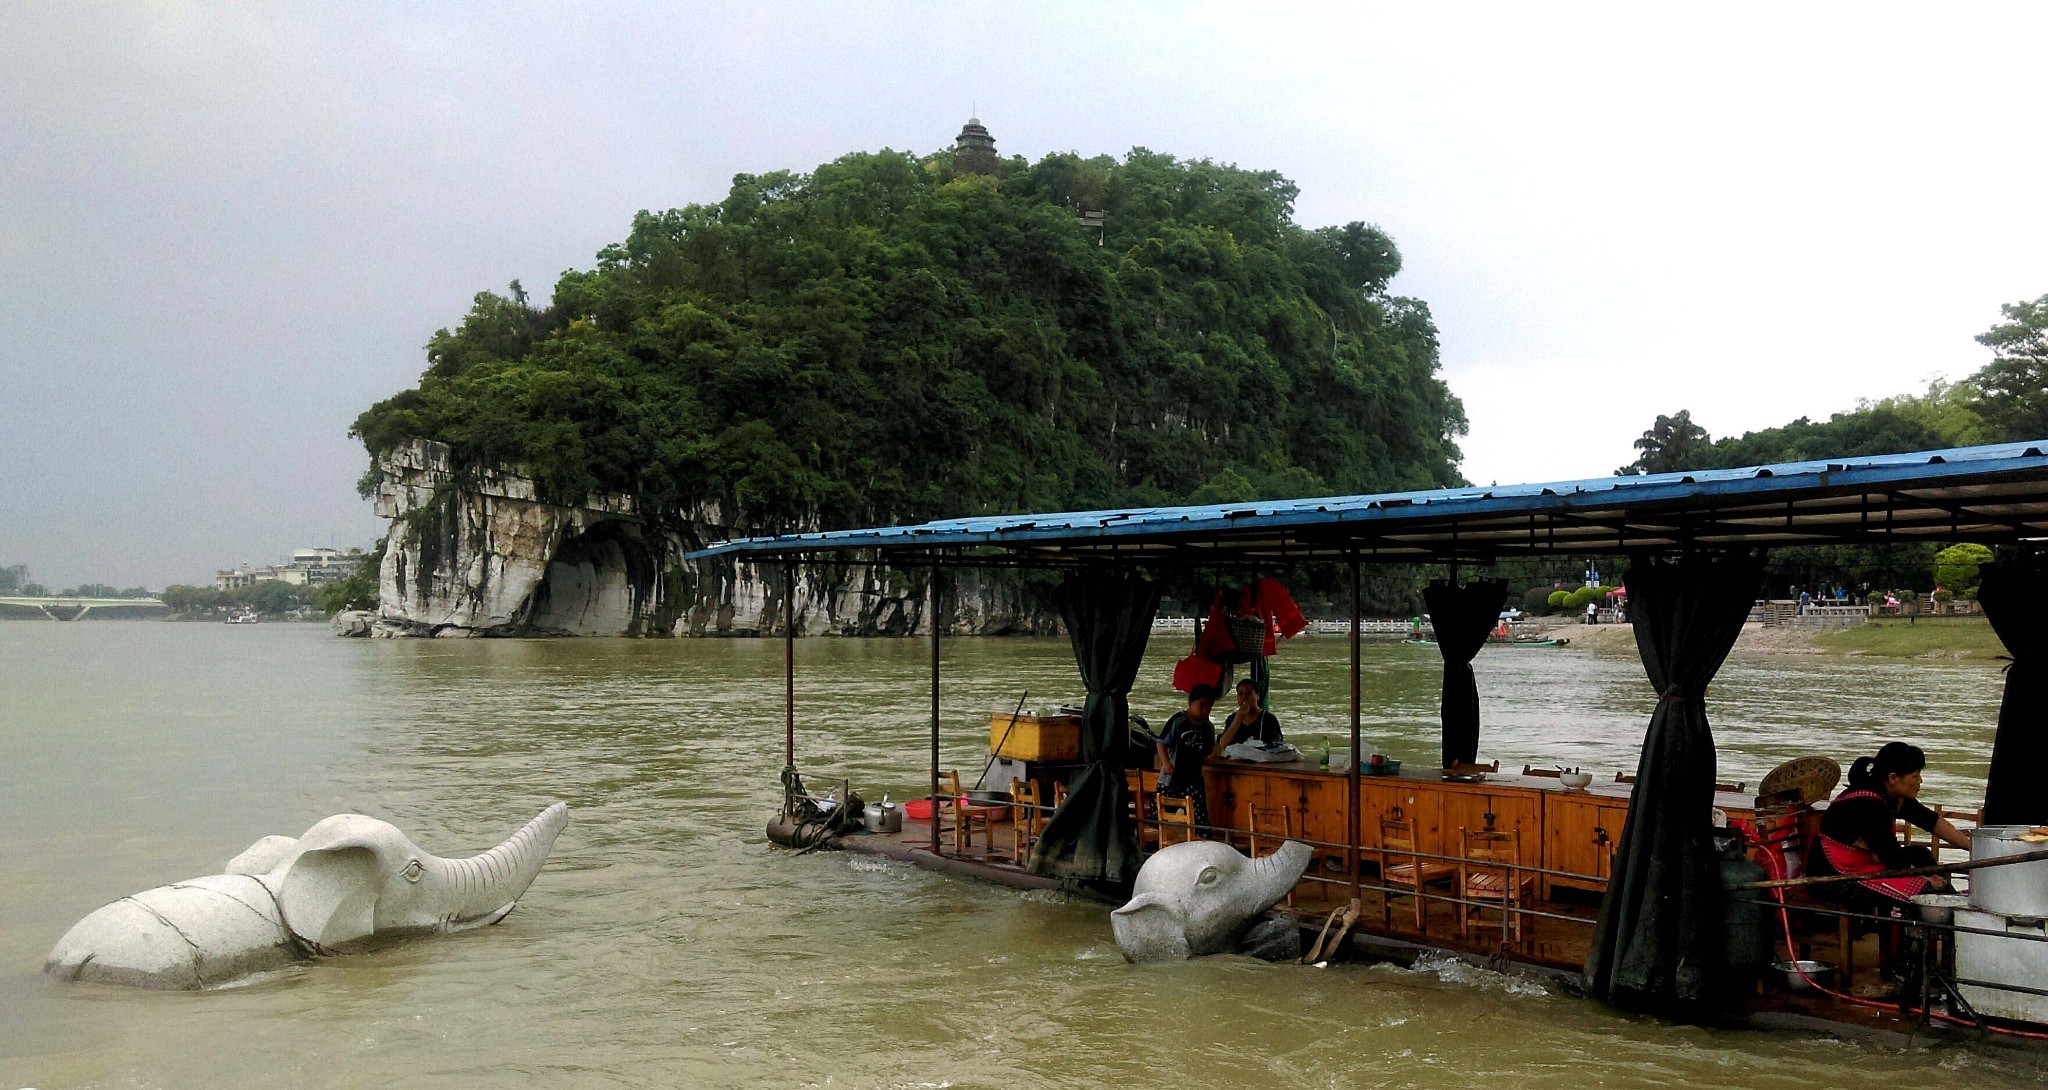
{"x":1659,"y":941}
{"x":1109,"y":620}
{"x":2011,"y":595}
{"x":1463,"y":617}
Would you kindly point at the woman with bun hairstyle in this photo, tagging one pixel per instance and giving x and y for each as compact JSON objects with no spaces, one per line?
{"x":1856,"y":834}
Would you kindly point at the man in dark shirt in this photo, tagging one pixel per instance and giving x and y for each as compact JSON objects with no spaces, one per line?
{"x":1183,"y":746}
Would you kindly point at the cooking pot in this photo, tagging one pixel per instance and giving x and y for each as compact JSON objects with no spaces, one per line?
{"x":2018,"y":889}
{"x":883,"y":817}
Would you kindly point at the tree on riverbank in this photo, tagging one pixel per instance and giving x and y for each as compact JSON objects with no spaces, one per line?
{"x":889,"y":339}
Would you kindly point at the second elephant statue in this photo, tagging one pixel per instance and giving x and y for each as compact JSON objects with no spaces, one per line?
{"x":348,"y":879}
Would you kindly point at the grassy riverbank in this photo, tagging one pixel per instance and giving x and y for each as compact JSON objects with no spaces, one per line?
{"x":1959,"y":638}
{"x":1952,"y":639}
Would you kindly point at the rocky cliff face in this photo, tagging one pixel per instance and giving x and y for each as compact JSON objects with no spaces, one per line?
{"x":477,"y":553}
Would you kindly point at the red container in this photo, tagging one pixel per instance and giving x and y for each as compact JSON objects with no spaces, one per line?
{"x":918,"y":809}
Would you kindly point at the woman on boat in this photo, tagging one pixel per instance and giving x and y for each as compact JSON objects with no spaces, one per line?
{"x":1250,"y":722}
{"x":1856,"y":834}
{"x":1183,"y":746}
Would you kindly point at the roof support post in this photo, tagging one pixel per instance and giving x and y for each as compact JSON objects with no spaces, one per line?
{"x":1351,"y":787}
{"x":789,"y":663}
{"x":931,"y":607}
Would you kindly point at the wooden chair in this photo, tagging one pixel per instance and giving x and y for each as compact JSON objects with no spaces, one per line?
{"x":1027,"y":819}
{"x":1275,"y":826}
{"x":1486,"y":872}
{"x":1144,"y":785}
{"x":1059,"y":795}
{"x":1962,"y":819}
{"x":1176,"y":820}
{"x":1399,"y":866}
{"x":965,"y":815}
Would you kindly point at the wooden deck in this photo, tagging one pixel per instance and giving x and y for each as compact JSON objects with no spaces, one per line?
{"x":1553,"y":945}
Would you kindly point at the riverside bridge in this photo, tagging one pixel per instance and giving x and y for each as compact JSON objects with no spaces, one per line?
{"x":72,"y":609}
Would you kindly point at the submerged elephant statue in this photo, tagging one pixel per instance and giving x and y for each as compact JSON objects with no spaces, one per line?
{"x":348,"y":879}
{"x":1201,"y":897}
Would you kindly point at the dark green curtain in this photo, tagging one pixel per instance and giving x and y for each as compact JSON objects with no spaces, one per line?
{"x":1109,"y":620}
{"x":1659,"y":943}
{"x":2011,"y":595}
{"x":1462,"y":618}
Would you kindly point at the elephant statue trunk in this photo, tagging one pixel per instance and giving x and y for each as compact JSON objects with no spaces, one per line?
{"x":348,"y":879}
{"x":1201,"y":897}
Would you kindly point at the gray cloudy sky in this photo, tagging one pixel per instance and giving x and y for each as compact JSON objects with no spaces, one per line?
{"x":227,"y":229}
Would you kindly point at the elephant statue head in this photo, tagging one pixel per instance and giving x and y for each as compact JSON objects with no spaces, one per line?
{"x":1201,"y":897}
{"x":352,"y":877}
{"x":348,"y":880}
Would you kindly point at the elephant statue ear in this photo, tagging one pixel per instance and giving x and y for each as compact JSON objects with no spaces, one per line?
{"x":263,"y":856}
{"x":329,"y":895}
{"x":1149,"y":928}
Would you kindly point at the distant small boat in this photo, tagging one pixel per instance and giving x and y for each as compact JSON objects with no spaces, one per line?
{"x":245,"y":616}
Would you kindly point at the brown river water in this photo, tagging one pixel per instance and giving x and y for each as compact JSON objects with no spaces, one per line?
{"x":666,"y":944}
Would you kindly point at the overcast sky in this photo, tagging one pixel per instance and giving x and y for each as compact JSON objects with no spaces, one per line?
{"x":227,"y":229}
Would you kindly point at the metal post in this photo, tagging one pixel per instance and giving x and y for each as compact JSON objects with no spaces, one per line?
{"x":1357,"y":879}
{"x":932,"y":615}
{"x":789,"y":663}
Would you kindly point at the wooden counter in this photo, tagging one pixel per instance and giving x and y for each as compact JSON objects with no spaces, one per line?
{"x":1562,"y":830}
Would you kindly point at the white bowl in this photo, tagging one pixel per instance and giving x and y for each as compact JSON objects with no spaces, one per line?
{"x":1577,"y":781}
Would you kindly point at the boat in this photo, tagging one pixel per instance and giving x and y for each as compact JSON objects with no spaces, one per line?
{"x":244,"y":616}
{"x":1575,"y":866}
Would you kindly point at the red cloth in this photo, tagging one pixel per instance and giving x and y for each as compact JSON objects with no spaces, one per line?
{"x":1214,"y":640}
{"x":1196,"y":670}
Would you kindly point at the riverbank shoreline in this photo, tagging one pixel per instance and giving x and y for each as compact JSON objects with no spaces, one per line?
{"x":1929,"y":639}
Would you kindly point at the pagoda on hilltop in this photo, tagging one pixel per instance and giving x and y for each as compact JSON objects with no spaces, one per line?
{"x":974,"y":150}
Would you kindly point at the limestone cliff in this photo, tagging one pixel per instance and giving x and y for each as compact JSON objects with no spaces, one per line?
{"x":478,"y":553}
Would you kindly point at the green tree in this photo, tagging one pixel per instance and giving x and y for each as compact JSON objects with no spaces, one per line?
{"x":1955,"y":568}
{"x":2015,"y":382}
{"x":1672,"y":444}
{"x":359,"y":588}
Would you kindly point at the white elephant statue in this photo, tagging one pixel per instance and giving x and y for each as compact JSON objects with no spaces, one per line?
{"x":1201,"y":897}
{"x":349,"y":879}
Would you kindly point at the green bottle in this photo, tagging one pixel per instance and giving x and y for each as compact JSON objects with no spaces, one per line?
{"x":1324,"y":762}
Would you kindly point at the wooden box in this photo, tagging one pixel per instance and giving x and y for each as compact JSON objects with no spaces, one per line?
{"x":1035,"y":737}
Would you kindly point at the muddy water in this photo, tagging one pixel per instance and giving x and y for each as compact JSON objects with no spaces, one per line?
{"x":666,"y":945}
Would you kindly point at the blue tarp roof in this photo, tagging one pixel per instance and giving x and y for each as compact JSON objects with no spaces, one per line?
{"x":1986,"y":493}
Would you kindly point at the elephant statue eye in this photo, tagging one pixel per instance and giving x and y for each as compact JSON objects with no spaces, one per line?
{"x":1208,"y":876}
{"x":413,"y":870}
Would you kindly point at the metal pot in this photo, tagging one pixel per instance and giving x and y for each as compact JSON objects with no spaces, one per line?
{"x":2019,"y":889}
{"x":883,"y":817}
{"x":1940,"y":908}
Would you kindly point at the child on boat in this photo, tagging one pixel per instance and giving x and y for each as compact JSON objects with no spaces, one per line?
{"x":1183,"y":746}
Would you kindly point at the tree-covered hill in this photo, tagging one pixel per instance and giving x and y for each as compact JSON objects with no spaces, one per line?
{"x":888,"y":338}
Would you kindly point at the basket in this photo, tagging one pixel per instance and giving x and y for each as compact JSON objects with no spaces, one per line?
{"x":1248,"y":634}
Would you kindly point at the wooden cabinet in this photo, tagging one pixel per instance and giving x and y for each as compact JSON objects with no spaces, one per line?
{"x":1571,"y":831}
{"x":1580,"y":835}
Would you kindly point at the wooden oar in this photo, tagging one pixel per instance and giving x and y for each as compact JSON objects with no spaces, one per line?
{"x":981,"y":781}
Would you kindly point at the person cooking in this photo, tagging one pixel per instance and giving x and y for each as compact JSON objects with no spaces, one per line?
{"x":1251,"y":722}
{"x":1856,"y":834}
{"x":1183,"y":746}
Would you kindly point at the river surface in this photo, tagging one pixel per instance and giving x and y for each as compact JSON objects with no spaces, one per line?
{"x":666,"y":944}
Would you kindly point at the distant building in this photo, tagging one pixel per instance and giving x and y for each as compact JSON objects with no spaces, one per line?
{"x":310,"y":567}
{"x":974,"y":150}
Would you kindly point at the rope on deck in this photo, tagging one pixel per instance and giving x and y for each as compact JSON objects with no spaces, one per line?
{"x":814,"y":824}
